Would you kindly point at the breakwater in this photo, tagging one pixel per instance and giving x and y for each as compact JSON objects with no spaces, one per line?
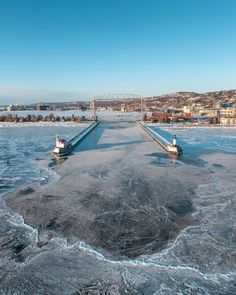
{"x":41,"y":118}
{"x":164,"y":143}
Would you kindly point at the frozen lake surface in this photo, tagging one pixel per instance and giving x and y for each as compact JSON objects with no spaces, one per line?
{"x":119,"y":215}
{"x":21,"y":148}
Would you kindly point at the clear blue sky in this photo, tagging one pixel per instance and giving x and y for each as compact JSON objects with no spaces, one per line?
{"x":72,"y":49}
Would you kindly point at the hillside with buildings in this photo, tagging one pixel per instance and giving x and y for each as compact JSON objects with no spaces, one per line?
{"x":180,"y":99}
{"x":213,"y":107}
{"x":175,"y":100}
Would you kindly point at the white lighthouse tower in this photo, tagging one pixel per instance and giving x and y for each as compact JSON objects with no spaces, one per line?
{"x":174,"y":140}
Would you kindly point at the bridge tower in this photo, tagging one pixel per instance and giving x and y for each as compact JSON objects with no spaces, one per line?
{"x":92,"y":110}
{"x":143,"y":109}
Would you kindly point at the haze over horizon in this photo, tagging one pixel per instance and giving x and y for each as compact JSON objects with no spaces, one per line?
{"x":72,"y":50}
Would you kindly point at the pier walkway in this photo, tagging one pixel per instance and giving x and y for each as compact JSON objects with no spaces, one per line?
{"x":156,"y":136}
{"x":163,"y":142}
{"x":79,"y":137}
{"x":112,"y":134}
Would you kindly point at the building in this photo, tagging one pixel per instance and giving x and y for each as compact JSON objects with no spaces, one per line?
{"x":187,"y":112}
{"x":130,"y":108}
{"x":10,"y":108}
{"x":228,"y":112}
{"x":160,"y":117}
{"x":42,"y":107}
{"x":228,"y":121}
{"x":123,"y":107}
{"x":218,"y":104}
{"x":187,"y":116}
{"x":210,"y":112}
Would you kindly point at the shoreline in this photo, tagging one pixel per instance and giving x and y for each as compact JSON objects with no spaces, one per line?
{"x":191,"y":126}
{"x":42,"y":124}
{"x":78,"y":124}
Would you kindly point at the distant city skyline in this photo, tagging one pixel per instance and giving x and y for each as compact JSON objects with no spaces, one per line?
{"x":72,"y":50}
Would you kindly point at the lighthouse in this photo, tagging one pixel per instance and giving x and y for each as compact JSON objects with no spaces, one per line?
{"x":174,"y":140}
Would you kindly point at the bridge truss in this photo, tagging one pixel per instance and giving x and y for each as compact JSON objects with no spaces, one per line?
{"x":114,"y":97}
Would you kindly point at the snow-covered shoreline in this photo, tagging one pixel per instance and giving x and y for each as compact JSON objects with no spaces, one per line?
{"x":42,"y":124}
{"x":188,"y":126}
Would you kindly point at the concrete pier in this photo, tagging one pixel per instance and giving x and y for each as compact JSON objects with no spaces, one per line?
{"x":64,"y":148}
{"x":171,"y":148}
{"x":79,"y":137}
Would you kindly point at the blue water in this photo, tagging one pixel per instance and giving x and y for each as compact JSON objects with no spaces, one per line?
{"x":198,"y":141}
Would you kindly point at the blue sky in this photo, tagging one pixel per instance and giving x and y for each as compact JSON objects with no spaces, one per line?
{"x":74,"y":49}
